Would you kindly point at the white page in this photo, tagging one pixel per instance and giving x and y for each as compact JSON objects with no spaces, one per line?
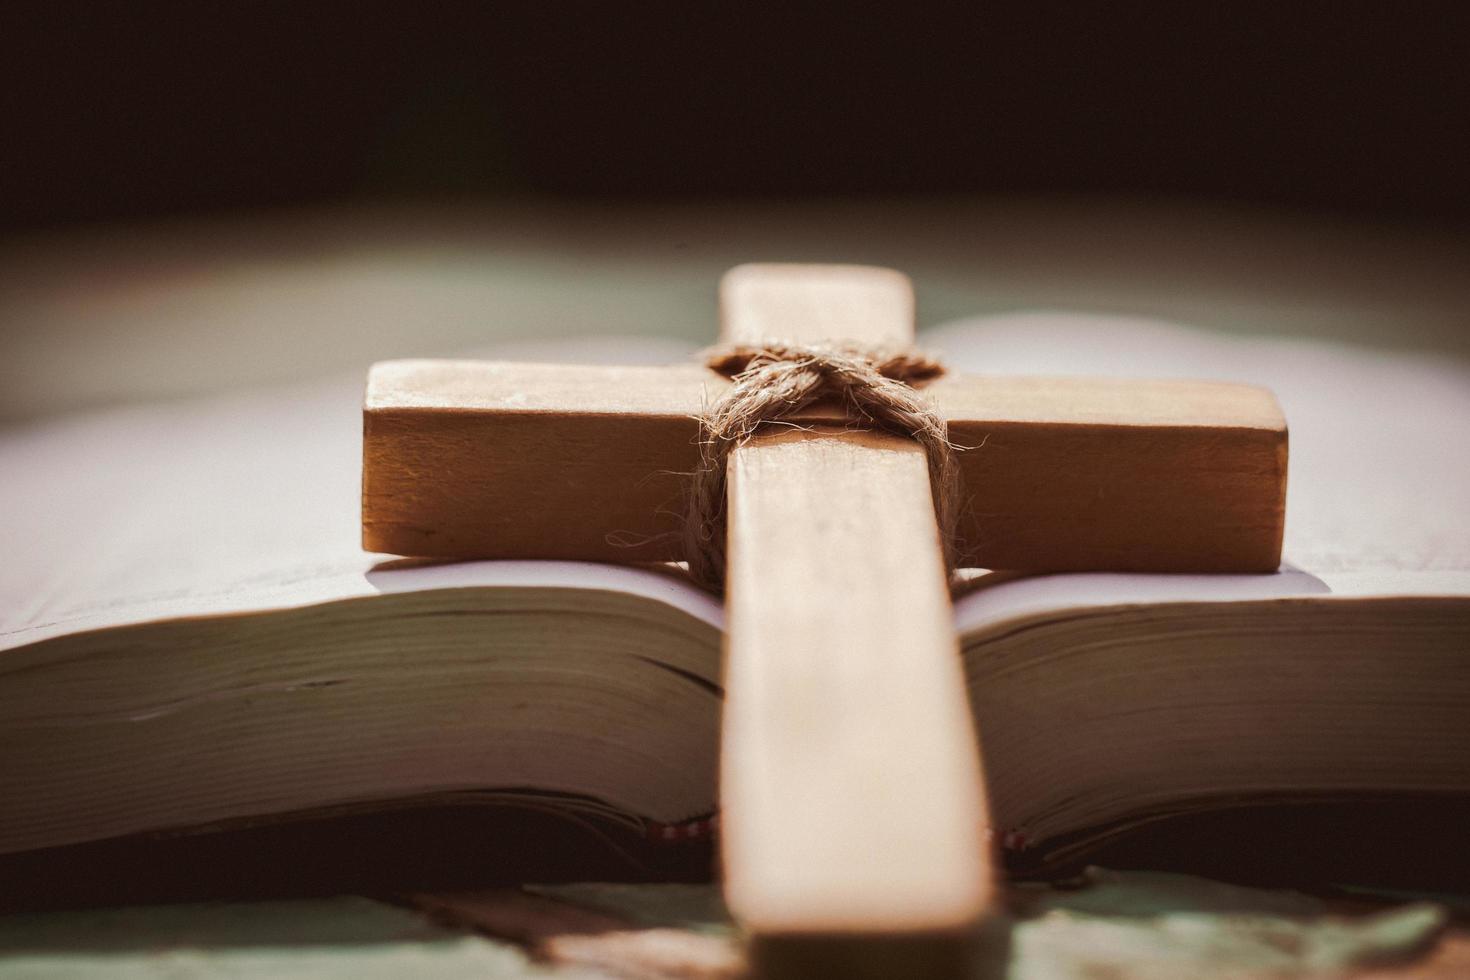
{"x":1378,"y":493}
{"x":225,"y":505}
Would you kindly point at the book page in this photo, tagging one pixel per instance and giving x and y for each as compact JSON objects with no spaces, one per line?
{"x":225,"y":505}
{"x":1378,"y":493}
{"x":179,"y":509}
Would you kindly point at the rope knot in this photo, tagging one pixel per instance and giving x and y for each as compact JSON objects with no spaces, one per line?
{"x":775,"y":381}
{"x":908,"y":366}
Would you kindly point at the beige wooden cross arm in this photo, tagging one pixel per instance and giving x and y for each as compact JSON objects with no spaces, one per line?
{"x":473,"y":459}
{"x":853,"y":805}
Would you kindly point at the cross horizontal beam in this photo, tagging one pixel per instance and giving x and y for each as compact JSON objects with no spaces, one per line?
{"x":489,"y":460}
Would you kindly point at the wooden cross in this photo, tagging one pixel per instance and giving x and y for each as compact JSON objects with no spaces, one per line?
{"x":854,"y":819}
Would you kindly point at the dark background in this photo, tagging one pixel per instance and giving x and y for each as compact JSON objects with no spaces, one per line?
{"x":120,"y":111}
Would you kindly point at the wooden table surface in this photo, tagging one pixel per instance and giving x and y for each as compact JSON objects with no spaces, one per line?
{"x":1116,"y":924}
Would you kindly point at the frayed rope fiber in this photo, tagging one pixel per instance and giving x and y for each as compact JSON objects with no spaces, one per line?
{"x":776,"y":381}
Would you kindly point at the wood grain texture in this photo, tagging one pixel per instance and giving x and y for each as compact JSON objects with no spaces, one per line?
{"x":814,"y":304}
{"x":465,"y":459}
{"x":849,"y":776}
{"x":853,"y":816}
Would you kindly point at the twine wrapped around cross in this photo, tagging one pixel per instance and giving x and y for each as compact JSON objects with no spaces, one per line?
{"x":777,"y":382}
{"x":855,"y":818}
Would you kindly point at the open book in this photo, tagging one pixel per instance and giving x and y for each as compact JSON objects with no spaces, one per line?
{"x":190,"y":638}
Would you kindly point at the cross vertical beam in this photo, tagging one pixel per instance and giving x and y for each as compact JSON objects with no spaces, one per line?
{"x":853,"y":815}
